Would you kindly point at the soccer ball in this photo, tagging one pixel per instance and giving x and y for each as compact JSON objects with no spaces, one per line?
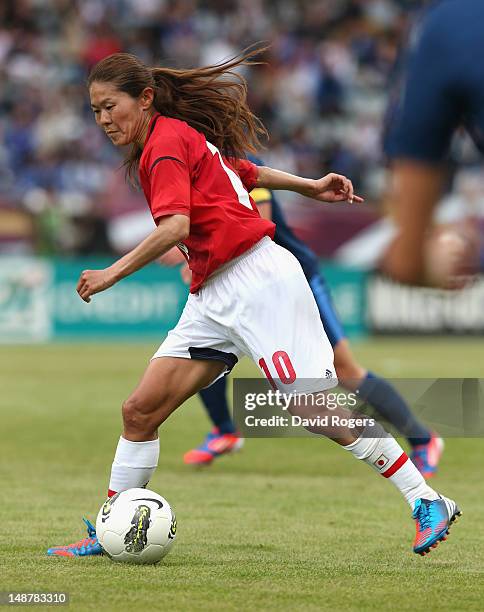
{"x":136,"y":526}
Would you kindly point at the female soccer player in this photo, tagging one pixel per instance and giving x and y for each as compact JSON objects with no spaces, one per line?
{"x":187,"y":130}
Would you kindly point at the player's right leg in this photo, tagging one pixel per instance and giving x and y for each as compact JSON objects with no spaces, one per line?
{"x":192,"y":356}
{"x":166,"y":384}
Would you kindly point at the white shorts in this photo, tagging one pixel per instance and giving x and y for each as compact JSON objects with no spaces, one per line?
{"x":259,"y":305}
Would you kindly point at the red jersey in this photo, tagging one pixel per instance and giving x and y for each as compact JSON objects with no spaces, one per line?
{"x":183,"y":174}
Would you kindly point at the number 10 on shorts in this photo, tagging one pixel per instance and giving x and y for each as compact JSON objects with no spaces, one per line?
{"x":284,"y":368}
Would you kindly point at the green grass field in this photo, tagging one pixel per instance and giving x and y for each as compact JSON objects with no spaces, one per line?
{"x":287,"y":524}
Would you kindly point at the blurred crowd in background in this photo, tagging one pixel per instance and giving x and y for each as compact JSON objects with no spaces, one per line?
{"x":322,"y":95}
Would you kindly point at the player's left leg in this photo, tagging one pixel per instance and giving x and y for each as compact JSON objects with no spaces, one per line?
{"x":426,"y":446}
{"x":379,"y":393}
{"x":432,"y":512}
{"x":283,"y":331}
{"x":223,"y":438}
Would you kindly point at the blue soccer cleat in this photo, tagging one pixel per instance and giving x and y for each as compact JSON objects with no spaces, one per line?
{"x":214,"y":445}
{"x":86,"y":547}
{"x":433,"y":520}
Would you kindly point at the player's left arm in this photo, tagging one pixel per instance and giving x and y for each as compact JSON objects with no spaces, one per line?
{"x":170,"y":230}
{"x":330,"y":188}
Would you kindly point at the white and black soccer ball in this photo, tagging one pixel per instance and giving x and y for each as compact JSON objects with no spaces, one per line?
{"x":136,"y":526}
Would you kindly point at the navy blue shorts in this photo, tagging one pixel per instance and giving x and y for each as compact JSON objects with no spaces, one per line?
{"x":332,"y":325}
{"x":443,"y":83}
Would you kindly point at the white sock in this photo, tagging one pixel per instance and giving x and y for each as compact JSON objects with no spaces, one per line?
{"x":387,"y":457}
{"x":133,"y":465}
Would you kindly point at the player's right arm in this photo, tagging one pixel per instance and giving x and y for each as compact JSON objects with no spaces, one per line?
{"x":171,"y":230}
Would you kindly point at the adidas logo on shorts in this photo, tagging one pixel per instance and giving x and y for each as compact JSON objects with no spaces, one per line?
{"x":329,"y":374}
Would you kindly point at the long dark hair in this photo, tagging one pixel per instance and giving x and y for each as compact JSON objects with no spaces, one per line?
{"x":212,"y":99}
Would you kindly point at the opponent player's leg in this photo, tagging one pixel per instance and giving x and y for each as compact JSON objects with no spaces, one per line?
{"x":215,"y":401}
{"x":380,"y":394}
{"x":165,"y":385}
{"x":223,"y":438}
{"x":284,"y":333}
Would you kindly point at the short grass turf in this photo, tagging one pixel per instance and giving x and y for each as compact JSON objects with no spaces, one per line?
{"x":286,"y":524}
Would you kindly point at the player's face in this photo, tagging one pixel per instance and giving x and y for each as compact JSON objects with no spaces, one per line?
{"x":122,"y":117}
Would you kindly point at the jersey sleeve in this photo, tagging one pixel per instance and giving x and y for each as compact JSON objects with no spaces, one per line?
{"x":169,"y":177}
{"x":247,"y":171}
{"x":429,"y":108}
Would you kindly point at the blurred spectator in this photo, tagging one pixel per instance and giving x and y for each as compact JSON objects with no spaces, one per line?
{"x":321,"y":94}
